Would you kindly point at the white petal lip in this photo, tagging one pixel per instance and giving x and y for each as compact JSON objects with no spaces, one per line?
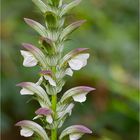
{"x":48,"y":76}
{"x":37,"y":90}
{"x":38,"y":54}
{"x":51,"y":81}
{"x":79,"y":98}
{"x":26,"y":92}
{"x":79,"y":61}
{"x":69,"y":72}
{"x":30,"y":125}
{"x":73,"y":92}
{"x":29,"y":59}
{"x":26,"y":132}
{"x":49,"y":119}
{"x":75,"y":136}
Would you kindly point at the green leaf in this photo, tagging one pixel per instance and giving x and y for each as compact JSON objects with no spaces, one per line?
{"x":69,"y":6}
{"x":42,"y":6}
{"x":69,"y":29}
{"x":36,"y":26}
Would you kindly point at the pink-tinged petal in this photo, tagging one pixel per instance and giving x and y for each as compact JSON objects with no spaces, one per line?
{"x":29,"y":126}
{"x":77,"y":93}
{"x":82,"y":128}
{"x":37,"y":53}
{"x":46,"y":72}
{"x":29,"y":59}
{"x":73,"y":54}
{"x":37,"y":90}
{"x":48,"y":76}
{"x":78,"y":61}
{"x":43,"y":111}
{"x":76,"y":131}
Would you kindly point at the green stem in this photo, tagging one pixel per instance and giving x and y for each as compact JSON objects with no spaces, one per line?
{"x":54,"y":104}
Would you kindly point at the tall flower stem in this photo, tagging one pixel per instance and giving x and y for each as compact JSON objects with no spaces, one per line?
{"x":54,"y":104}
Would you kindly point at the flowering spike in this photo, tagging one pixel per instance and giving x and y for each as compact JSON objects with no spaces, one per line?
{"x":54,"y":68}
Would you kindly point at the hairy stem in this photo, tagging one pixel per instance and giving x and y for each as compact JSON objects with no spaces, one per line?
{"x":54,"y":104}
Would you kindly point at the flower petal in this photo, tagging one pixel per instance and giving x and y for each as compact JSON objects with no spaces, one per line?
{"x":73,"y":92}
{"x":51,"y":81}
{"x":75,"y":136}
{"x":29,"y":59}
{"x":75,"y":132}
{"x":69,"y":72}
{"x":79,"y":98}
{"x":32,"y":126}
{"x":43,"y":111}
{"x":26,"y":92}
{"x":78,"y":61}
{"x":48,"y":76}
{"x":37,"y":90}
{"x":72,"y":54}
{"x":37,"y":53}
{"x":26,"y":132}
{"x":49,"y":119}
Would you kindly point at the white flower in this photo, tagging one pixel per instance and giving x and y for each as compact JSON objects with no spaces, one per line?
{"x":30,"y":127}
{"x":44,"y":112}
{"x":29,"y":59}
{"x":75,"y":132}
{"x":78,"y":94}
{"x":48,"y":76}
{"x":79,"y":61}
{"x":26,"y":132}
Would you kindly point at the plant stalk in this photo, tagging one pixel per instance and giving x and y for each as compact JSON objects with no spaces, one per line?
{"x":54,"y":104}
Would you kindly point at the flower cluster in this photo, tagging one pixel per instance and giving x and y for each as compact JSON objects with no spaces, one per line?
{"x":54,"y":67}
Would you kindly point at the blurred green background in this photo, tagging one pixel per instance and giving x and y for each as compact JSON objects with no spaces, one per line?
{"x":111,"y":33}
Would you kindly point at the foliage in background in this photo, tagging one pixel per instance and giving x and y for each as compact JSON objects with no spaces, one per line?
{"x":112,"y":35}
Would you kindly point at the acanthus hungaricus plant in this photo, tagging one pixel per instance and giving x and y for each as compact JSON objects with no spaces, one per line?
{"x":54,"y":67}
